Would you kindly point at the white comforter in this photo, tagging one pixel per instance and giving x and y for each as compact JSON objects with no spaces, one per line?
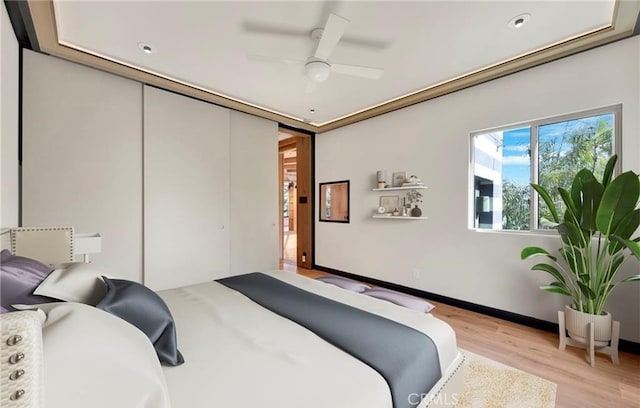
{"x":239,"y":354}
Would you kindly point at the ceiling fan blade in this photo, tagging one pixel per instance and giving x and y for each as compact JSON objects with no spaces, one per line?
{"x":259,"y":27}
{"x":279,"y":60}
{"x":334,"y":30}
{"x":355,"y":70}
{"x":362,"y":42}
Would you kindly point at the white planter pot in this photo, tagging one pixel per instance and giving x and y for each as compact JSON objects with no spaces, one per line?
{"x":577,"y":324}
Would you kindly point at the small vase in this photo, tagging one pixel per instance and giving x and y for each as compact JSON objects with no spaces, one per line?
{"x":416,"y":211}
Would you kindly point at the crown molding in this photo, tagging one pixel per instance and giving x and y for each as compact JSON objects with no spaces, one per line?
{"x":625,"y":19}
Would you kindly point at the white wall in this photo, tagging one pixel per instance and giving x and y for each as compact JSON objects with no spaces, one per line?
{"x":254,"y":193}
{"x":9,"y":69}
{"x":431,"y":140}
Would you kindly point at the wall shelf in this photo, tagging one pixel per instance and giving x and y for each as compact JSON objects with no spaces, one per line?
{"x":398,"y":217}
{"x":401,"y":188}
{"x":408,"y":190}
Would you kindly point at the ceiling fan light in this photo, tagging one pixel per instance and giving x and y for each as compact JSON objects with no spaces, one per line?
{"x":317,"y":71}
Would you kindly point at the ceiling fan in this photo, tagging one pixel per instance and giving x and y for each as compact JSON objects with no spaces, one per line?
{"x":317,"y":67}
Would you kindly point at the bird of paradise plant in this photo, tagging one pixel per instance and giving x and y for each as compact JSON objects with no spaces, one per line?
{"x":596,"y":232}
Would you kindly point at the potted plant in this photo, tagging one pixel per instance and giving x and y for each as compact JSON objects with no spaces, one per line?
{"x":596,"y":231}
{"x":415,"y":198}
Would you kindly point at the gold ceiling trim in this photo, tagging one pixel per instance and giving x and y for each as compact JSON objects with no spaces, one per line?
{"x":624,"y":21}
{"x":43,"y":17}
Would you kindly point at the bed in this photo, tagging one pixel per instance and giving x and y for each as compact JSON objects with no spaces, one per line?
{"x":231,"y":351}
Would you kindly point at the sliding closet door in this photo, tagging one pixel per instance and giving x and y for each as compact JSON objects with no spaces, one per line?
{"x":186,"y":190}
{"x":254,"y":194}
{"x":82,"y":156}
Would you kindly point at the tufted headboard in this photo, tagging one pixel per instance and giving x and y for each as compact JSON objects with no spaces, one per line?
{"x":51,"y":245}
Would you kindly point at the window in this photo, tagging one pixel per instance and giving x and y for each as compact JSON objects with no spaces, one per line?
{"x":547,"y":152}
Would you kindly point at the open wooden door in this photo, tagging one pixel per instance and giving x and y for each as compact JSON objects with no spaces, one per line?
{"x":300,"y":205}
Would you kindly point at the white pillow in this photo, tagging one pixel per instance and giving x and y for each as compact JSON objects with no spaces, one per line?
{"x":345,"y":283}
{"x":400,"y":299}
{"x":94,"y":359}
{"x":75,"y":282}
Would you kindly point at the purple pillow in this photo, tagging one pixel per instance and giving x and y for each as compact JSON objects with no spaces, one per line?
{"x":19,"y":276}
{"x":345,"y":283}
{"x":400,"y":299}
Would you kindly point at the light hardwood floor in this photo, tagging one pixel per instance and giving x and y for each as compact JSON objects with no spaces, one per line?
{"x":536,"y":352}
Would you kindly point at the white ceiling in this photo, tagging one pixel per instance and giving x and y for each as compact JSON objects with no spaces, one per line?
{"x":419,"y":44}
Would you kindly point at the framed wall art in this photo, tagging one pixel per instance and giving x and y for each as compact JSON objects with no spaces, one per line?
{"x":390,"y":203}
{"x":399,"y":177}
{"x":334,"y":201}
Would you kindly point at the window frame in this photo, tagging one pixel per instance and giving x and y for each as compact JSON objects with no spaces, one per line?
{"x":534,"y":125}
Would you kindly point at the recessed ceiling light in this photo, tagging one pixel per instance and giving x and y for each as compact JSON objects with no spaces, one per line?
{"x":312,"y":110}
{"x":519,"y":21}
{"x":146,"y":48}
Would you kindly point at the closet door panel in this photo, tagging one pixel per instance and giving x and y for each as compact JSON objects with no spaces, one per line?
{"x":82,"y":156}
{"x":186,"y":190}
{"x":254,"y":194}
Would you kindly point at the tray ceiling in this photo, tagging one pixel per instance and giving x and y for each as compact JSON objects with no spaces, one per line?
{"x":234,"y":53}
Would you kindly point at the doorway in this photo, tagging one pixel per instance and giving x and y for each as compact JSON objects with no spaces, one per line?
{"x":289,"y":253}
{"x":295,"y":192}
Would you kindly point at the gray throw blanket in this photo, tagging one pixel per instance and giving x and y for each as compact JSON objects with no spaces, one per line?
{"x":405,"y":357}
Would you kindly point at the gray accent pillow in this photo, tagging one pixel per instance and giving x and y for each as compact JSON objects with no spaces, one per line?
{"x":143,"y":308}
{"x":345,"y":283}
{"x":19,"y":276}
{"x":400,"y":299}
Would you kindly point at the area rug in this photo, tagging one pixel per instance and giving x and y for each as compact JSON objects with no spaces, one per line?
{"x":489,"y":384}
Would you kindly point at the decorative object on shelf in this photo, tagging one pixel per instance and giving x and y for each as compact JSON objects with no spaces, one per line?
{"x":381,"y":178}
{"x":412,"y":181}
{"x":400,"y":207}
{"x":390,"y":203}
{"x":405,"y":188}
{"x":415,"y":198}
{"x":595,"y":210}
{"x":390,"y":216}
{"x":399,"y":178}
